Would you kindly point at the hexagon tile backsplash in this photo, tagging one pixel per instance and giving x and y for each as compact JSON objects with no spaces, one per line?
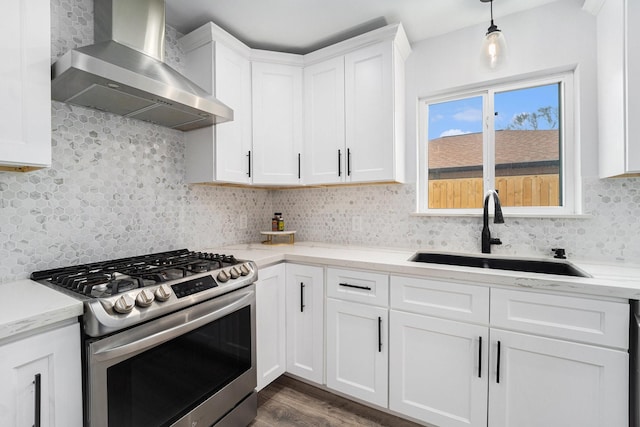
{"x":116,"y":188}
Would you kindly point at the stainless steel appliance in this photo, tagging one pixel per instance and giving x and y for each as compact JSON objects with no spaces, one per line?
{"x":168,"y":338}
{"x":124,"y":71}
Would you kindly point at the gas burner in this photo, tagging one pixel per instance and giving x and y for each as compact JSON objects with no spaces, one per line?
{"x":108,"y":278}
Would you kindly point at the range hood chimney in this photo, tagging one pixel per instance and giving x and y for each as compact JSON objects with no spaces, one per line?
{"x":124,"y":71}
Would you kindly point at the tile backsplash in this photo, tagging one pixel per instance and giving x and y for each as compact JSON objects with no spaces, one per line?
{"x":116,"y":188}
{"x":378,"y":215}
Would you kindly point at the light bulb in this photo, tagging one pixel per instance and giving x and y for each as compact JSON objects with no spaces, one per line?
{"x":494,"y":49}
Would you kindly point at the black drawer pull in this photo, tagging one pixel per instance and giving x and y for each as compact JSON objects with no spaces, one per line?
{"x":339,"y":163}
{"x":301,"y":297}
{"x":479,"y":357}
{"x":249,"y":157}
{"x":346,"y":285}
{"x":38,"y":400}
{"x":379,"y":334}
{"x":498,"y":367}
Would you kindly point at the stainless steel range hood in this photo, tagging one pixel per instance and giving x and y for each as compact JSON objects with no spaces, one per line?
{"x":124,"y":71}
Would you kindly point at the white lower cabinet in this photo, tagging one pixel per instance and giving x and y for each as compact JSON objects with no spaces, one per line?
{"x":438,"y":370}
{"x":270,"y":325}
{"x":358,"y":350}
{"x":54,"y":358}
{"x":564,"y":362}
{"x":305,"y":321}
{"x":538,"y":381}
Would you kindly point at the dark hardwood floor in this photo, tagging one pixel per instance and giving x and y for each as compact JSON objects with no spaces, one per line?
{"x":288,"y":402}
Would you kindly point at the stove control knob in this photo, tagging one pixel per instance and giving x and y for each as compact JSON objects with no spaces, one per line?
{"x":235,"y":273}
{"x":223,"y":276}
{"x":124,"y":304}
{"x":163,"y":293}
{"x":144,"y":298}
{"x":244,"y":270}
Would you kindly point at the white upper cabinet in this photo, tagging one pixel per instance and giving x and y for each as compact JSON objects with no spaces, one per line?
{"x":220,"y":64}
{"x":324,"y":137}
{"x":370,"y":109}
{"x":332,"y":116}
{"x":277,"y":121}
{"x":354,"y":109}
{"x":619,"y":87}
{"x":25,"y":86}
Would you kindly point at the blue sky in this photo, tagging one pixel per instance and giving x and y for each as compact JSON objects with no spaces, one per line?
{"x":465,"y":115}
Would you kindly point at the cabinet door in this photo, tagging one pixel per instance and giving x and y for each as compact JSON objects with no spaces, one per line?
{"x":277,"y":123}
{"x":553,"y":383}
{"x":221,"y":153}
{"x":270,"y":325}
{"x":233,"y":139}
{"x":55,"y":357}
{"x":324,"y":137}
{"x":25,"y":86}
{"x":305,"y":322}
{"x":633,"y":85}
{"x":438,"y":370}
{"x":358,"y":350}
{"x":370,"y":113}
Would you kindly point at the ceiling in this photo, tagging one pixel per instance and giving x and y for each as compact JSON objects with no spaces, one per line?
{"x":301,"y":26}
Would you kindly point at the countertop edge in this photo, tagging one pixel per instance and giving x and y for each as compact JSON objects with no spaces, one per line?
{"x":27,"y":306}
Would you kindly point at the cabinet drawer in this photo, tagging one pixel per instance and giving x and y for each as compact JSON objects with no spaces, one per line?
{"x":358,"y":286}
{"x":456,"y":301}
{"x":576,"y":319}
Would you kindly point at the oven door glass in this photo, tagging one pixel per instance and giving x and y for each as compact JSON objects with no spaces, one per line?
{"x":158,"y":386}
{"x":193,"y":365}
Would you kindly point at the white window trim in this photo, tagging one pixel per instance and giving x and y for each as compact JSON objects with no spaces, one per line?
{"x":570,"y":153}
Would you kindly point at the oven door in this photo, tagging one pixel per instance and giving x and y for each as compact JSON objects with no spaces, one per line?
{"x":185,"y":369}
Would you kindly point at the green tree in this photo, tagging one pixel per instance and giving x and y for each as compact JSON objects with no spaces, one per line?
{"x":531,"y":121}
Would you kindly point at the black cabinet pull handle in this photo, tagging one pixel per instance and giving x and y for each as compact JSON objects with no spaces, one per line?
{"x":339,"y":163}
{"x":298,"y":165}
{"x":346,"y":285}
{"x":379,"y":334}
{"x":38,"y":400}
{"x":249,"y":157}
{"x":479,"y":357}
{"x":348,"y":162}
{"x":498,"y":367}
{"x":301,"y":297}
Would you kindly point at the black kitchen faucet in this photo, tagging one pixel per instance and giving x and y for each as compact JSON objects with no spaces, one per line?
{"x":487,"y":241}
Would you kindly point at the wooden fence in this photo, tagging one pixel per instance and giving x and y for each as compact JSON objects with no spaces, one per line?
{"x":527,"y":190}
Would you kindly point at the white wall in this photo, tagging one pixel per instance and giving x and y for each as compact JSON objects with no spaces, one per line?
{"x":558,"y":35}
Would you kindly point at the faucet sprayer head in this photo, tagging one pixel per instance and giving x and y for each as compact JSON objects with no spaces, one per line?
{"x":497,"y":214}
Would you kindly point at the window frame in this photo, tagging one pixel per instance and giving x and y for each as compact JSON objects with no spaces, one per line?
{"x":570,"y":188}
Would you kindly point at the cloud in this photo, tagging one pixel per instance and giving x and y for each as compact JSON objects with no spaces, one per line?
{"x":469,"y":115}
{"x":453,"y":132}
{"x":437,"y":117}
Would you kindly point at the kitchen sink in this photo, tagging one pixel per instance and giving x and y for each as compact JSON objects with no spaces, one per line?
{"x":563,"y":268}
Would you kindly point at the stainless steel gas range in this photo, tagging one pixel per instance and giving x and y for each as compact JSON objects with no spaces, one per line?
{"x":168,"y":338}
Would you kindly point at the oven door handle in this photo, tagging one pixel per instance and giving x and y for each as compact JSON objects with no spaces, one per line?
{"x":183,"y":321}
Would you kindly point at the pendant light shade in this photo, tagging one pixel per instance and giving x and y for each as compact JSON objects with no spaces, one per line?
{"x":494,"y":48}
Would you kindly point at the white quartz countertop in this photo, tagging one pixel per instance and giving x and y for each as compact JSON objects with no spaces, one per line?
{"x":26,"y":306}
{"x":616,"y":280}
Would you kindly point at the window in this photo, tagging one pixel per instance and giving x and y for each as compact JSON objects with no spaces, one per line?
{"x":516,"y":138}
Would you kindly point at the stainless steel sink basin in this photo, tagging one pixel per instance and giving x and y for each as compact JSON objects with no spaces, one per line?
{"x":532,"y":266}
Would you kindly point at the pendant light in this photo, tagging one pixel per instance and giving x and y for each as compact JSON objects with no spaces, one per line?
{"x":494,"y":48}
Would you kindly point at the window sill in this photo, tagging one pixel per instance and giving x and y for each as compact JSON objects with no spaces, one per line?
{"x":506,"y":214}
